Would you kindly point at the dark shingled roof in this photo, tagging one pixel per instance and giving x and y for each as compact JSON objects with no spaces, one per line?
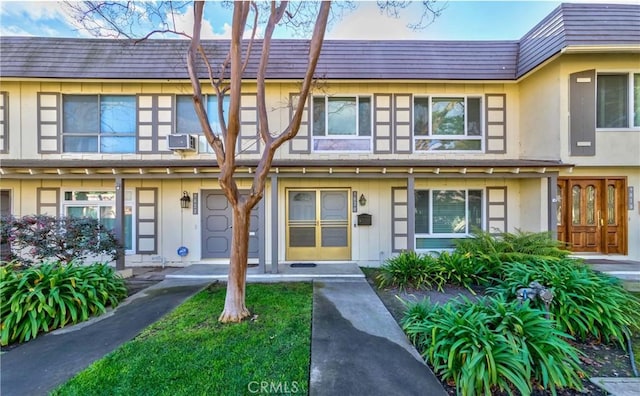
{"x":579,"y":25}
{"x":568,"y":25}
{"x":340,"y":59}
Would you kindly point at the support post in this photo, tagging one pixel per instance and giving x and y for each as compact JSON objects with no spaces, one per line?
{"x":411,"y":210}
{"x":274,"y":224}
{"x":119,"y":223}
{"x":552,"y":190}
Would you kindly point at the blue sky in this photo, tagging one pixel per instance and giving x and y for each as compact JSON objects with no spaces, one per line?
{"x":460,"y":20}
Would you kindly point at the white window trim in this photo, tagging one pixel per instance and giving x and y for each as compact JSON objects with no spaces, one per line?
{"x":343,"y":137}
{"x":630,"y":100}
{"x":430,"y":136}
{"x":130,"y":203}
{"x":467,"y":232}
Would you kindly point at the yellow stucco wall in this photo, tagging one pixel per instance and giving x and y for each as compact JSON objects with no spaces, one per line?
{"x":23,"y":125}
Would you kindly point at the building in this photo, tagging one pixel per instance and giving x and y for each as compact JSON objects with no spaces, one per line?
{"x":407,"y":145}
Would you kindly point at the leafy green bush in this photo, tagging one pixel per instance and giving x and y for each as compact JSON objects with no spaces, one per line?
{"x":585,"y":304}
{"x":411,"y":270}
{"x":493,"y":250}
{"x":492,"y":344}
{"x":52,"y":295}
{"x":462,"y":269}
{"x":36,"y":238}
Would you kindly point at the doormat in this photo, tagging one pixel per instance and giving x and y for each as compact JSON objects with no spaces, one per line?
{"x":303,"y":265}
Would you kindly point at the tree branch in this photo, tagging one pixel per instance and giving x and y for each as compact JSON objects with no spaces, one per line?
{"x":274,"y":18}
{"x":214,"y":141}
{"x":272,"y":145}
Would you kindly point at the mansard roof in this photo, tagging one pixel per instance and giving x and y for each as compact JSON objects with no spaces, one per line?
{"x":568,"y":26}
{"x":580,"y":25}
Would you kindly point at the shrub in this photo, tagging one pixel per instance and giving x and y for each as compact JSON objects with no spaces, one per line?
{"x":411,"y":270}
{"x":52,"y":295}
{"x":40,"y":237}
{"x":585,"y":304}
{"x":462,"y":269}
{"x":492,"y":344}
{"x":493,"y":250}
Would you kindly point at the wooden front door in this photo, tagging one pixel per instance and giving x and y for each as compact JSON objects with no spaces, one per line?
{"x":591,"y":214}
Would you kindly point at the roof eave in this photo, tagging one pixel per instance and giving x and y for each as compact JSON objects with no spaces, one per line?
{"x":602,"y":48}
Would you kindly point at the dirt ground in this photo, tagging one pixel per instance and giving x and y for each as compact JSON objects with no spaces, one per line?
{"x":599,"y":360}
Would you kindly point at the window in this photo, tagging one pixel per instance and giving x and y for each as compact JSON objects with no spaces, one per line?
{"x":99,"y":123}
{"x":187,"y":120}
{"x":101,"y":205}
{"x":447,"y":123}
{"x":618,"y":101}
{"x":342,"y":123}
{"x":443,"y":215}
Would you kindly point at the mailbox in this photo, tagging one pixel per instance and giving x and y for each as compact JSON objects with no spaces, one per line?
{"x":364,"y":219}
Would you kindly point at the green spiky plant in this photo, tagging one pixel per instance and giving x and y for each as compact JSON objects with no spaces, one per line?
{"x":462,"y":269}
{"x":411,"y":270}
{"x":52,"y":295}
{"x":491,"y":344}
{"x":493,"y":250}
{"x":586,"y":303}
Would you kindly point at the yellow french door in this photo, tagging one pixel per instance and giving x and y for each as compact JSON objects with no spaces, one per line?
{"x":318,"y":225}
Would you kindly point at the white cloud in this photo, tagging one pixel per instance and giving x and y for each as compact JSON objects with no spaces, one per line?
{"x":367,"y":22}
{"x":34,"y":10}
{"x":184,"y":23}
{"x":9,"y":30}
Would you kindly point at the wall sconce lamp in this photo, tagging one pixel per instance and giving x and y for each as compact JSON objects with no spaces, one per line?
{"x":362,"y":200}
{"x":185,"y":201}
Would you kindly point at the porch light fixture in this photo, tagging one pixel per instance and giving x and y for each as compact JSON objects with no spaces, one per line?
{"x":362,"y":200}
{"x":185,"y":201}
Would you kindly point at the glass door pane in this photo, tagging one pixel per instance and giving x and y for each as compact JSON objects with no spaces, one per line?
{"x":333,"y":216}
{"x":318,"y":225}
{"x":302,"y":218}
{"x":611,"y":204}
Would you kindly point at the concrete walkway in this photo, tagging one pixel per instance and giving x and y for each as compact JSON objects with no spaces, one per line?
{"x":40,"y":365}
{"x":357,"y":348}
{"x":626,"y":270}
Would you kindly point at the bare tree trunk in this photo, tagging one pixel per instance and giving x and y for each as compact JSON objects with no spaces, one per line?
{"x":234,"y":304}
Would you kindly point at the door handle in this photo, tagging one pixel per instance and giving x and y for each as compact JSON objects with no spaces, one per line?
{"x":600,"y":219}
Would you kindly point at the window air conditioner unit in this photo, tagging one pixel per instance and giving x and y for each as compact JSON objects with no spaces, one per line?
{"x":181,"y":142}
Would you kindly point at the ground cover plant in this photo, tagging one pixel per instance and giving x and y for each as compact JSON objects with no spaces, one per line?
{"x":586,"y":304}
{"x":590,"y":311}
{"x":190,"y":352}
{"x":491,"y":344}
{"x":51,"y":295}
{"x":411,"y":270}
{"x":491,"y":250}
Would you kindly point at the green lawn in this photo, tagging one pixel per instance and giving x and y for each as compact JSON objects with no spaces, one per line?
{"x":189,"y":352}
